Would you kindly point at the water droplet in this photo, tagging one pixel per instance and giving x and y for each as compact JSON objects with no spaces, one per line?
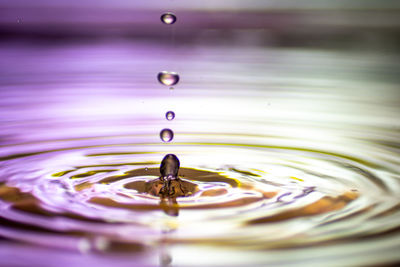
{"x":168,"y":18}
{"x":166,"y":135}
{"x":168,"y":78}
{"x":170,"y":115}
{"x":19,"y":20}
{"x":146,"y":169}
{"x":169,"y":166}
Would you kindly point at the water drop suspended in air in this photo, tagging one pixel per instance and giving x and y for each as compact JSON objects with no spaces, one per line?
{"x":170,"y":115}
{"x":168,"y":18}
{"x":166,"y":135}
{"x":168,"y":78}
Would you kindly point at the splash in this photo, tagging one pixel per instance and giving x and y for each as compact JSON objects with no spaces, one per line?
{"x":169,"y":185}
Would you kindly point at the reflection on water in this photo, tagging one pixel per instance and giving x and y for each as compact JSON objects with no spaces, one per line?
{"x":288,"y":156}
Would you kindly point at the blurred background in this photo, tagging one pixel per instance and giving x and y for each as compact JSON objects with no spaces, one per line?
{"x":102,"y":49}
{"x":351,"y":25}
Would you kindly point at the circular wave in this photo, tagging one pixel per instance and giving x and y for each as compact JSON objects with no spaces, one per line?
{"x":292,"y":169}
{"x":245,"y":195}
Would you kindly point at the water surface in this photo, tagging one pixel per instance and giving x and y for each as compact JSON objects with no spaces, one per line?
{"x":294,"y":152}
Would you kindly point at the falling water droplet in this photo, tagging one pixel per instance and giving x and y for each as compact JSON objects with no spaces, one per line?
{"x":168,"y":18}
{"x":166,"y":135}
{"x":168,"y":78}
{"x":170,"y":115}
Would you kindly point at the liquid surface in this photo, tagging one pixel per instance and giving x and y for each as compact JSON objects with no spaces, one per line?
{"x":289,"y":157}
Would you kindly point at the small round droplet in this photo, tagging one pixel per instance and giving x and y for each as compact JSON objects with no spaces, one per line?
{"x":166,"y":135}
{"x":170,"y":115}
{"x":168,"y":78}
{"x":19,"y":20}
{"x":168,"y":18}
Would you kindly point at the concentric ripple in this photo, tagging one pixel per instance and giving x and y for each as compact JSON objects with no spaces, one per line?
{"x":244,"y":200}
{"x":279,"y":180}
